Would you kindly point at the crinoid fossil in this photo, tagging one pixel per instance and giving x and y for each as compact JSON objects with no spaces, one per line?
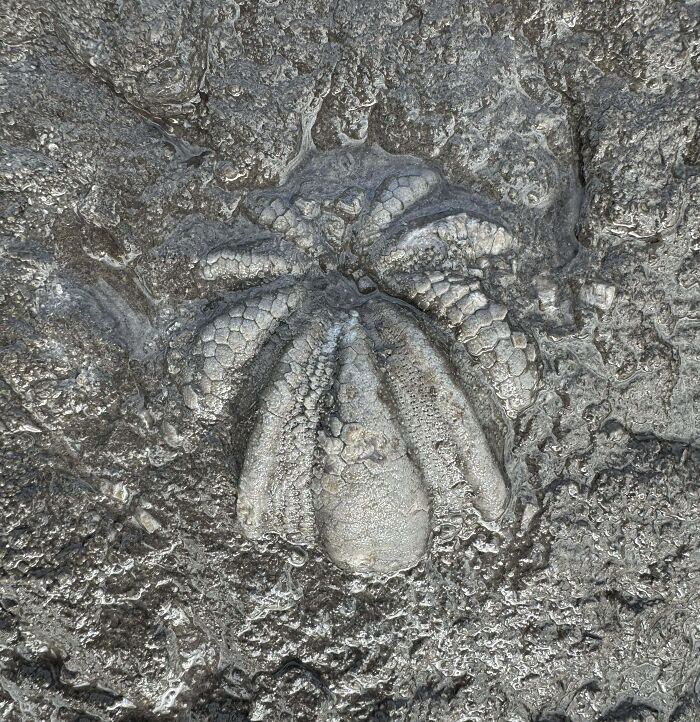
{"x":349,"y":289}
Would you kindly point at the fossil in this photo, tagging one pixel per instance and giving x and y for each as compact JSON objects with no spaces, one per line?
{"x":341,"y":287}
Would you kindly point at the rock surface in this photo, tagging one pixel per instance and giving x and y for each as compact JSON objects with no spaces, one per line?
{"x":136,"y":138}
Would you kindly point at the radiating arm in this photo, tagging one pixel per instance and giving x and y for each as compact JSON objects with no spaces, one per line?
{"x":455,"y":242}
{"x":437,"y":417}
{"x":373,"y":509}
{"x":276,"y":480}
{"x":223,"y":347}
{"x":458,"y":304}
{"x":394,"y":197}
{"x":254,"y":262}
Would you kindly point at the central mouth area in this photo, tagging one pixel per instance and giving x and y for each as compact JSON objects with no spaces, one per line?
{"x":347,"y":291}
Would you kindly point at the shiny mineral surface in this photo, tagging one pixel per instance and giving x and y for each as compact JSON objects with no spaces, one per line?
{"x":349,"y":361}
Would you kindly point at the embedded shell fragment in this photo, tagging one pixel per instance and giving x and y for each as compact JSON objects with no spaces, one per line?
{"x":364,"y":434}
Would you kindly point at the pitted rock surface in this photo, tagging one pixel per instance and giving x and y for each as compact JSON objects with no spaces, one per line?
{"x":349,"y":361}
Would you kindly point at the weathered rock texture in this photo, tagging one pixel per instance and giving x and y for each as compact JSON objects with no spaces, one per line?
{"x":234,"y":237}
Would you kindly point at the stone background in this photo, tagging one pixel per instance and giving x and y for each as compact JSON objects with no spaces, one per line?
{"x":129,"y":132}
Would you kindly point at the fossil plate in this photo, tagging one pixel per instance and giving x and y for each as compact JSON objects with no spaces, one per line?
{"x":344,"y":284}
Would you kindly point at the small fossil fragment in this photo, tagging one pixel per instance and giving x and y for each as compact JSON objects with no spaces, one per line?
{"x":598,"y":294}
{"x":364,"y":435}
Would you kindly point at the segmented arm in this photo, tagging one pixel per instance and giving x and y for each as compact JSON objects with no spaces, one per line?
{"x":224,"y":346}
{"x":254,"y":262}
{"x":455,"y":242}
{"x":394,"y":197}
{"x":277,"y":215}
{"x":459,"y":305}
{"x":281,"y":460}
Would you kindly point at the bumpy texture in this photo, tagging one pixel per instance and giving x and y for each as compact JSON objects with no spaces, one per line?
{"x":139,"y":138}
{"x":346,"y":446}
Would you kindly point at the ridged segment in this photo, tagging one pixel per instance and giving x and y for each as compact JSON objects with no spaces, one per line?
{"x":454,"y":242}
{"x":281,"y":457}
{"x":395,"y":196}
{"x":373,"y":510}
{"x":438,"y":420}
{"x":277,"y":215}
{"x":470,"y":237}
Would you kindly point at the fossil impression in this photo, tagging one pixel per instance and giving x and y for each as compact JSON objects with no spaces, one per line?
{"x":363,"y":433}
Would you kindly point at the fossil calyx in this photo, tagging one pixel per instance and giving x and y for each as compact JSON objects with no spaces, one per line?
{"x":363,"y":433}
